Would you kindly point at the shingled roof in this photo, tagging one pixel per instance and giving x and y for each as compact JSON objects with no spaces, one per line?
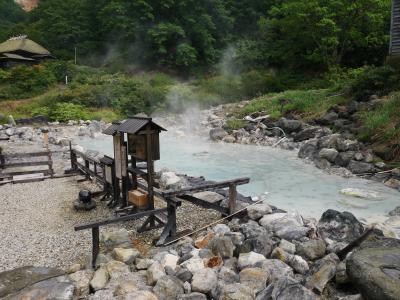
{"x":131,"y":125}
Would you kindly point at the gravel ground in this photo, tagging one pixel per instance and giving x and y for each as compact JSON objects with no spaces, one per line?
{"x":37,"y":221}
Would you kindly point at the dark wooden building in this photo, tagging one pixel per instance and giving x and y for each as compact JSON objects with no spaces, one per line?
{"x":394,"y":48}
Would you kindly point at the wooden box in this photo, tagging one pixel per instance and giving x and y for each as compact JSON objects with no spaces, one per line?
{"x":138,"y":198}
{"x":137,"y":146}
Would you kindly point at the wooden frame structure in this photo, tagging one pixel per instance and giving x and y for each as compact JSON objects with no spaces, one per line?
{"x":142,"y":146}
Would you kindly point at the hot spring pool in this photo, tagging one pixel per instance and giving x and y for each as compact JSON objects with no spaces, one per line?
{"x":288,"y":182}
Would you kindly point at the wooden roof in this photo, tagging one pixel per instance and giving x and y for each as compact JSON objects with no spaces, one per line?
{"x":132,"y":126}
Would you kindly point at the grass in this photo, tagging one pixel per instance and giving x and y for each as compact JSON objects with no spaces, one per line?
{"x":235,"y":124}
{"x":308,"y":105}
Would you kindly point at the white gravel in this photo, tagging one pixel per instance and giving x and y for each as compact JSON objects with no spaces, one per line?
{"x":37,"y":221}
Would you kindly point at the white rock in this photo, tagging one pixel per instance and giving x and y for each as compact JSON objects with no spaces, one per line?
{"x":287,"y":246}
{"x":154,"y":272}
{"x":360,"y":193}
{"x":193,"y":264}
{"x":99,"y":279}
{"x":169,"y":179}
{"x":249,"y":259}
{"x":81,"y":281}
{"x":169,"y":260}
{"x":204,"y":280}
{"x":126,"y":256}
{"x":258,"y":210}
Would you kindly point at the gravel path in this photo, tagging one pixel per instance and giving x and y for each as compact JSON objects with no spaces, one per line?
{"x":37,"y":221}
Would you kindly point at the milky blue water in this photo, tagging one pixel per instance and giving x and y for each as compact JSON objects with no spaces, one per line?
{"x":290,"y":183}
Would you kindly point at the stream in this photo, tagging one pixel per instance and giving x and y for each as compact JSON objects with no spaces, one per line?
{"x":278,"y":175}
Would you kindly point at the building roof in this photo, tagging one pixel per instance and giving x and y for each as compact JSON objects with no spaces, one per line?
{"x":132,"y":125}
{"x":24,"y":44}
{"x":14,"y":57}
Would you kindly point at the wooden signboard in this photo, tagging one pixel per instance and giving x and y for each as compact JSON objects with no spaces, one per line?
{"x":117,"y":155}
{"x":124,"y":162}
{"x":137,"y":146}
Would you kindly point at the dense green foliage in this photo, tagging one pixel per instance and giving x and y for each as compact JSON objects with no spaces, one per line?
{"x":189,"y":35}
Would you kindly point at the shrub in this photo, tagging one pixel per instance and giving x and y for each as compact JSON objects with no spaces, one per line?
{"x":235,"y":124}
{"x":375,"y":81}
{"x":68,"y":111}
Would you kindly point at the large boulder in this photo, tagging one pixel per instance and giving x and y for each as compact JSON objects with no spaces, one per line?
{"x":276,"y":268}
{"x":100,"y":279}
{"x":154,"y":273}
{"x":322,"y":272}
{"x":168,"y":287}
{"x":329,"y":154}
{"x":262,"y":244}
{"x":251,"y":229}
{"x":221,"y":246}
{"x":217,"y":134}
{"x":329,"y":118}
{"x":343,"y":159}
{"x":290,"y":126}
{"x":250,"y":259}
{"x":288,"y":226}
{"x":375,"y":269}
{"x":359,"y":167}
{"x":305,"y":134}
{"x":309,"y":149}
{"x":340,"y":227}
{"x":257,"y":211}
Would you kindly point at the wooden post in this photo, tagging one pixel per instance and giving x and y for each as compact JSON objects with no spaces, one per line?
{"x":95,"y":245}
{"x":124,"y":173}
{"x":150,"y":171}
{"x":232,"y":198}
{"x":87,"y":166}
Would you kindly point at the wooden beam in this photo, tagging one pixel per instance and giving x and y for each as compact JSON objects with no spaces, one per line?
{"x":26,"y":164}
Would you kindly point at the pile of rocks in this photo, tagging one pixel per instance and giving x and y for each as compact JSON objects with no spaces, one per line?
{"x":338,"y":152}
{"x":269,"y":254}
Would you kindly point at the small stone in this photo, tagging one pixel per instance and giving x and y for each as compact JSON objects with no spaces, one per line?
{"x":227,"y":275}
{"x":250,"y":259}
{"x":184,"y":275}
{"x":74,"y":268}
{"x":99,"y":279}
{"x":169,"y":260}
{"x":295,"y":261}
{"x":236,"y":237}
{"x":257,"y":211}
{"x":154,"y":272}
{"x":254,"y":278}
{"x":187,"y":287}
{"x":328,"y":154}
{"x":126,"y":256}
{"x":276,"y":268}
{"x":204,"y":280}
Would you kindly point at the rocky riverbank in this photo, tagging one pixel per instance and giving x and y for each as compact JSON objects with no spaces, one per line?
{"x":267,"y":254}
{"x":337,"y":152}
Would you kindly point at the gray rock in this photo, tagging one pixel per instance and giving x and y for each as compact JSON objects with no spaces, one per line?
{"x":254,"y":278}
{"x":184,"y":275}
{"x":329,"y":118}
{"x":328,"y":141}
{"x":251,"y":229}
{"x":227,"y":275}
{"x":344,"y":158}
{"x":305,"y":134}
{"x":284,"y":225}
{"x":221,"y":246}
{"x":290,"y":126}
{"x":287,"y":246}
{"x":236,"y":291}
{"x":323,"y":271}
{"x":229,"y":139}
{"x":347,"y":145}
{"x":116,"y":268}
{"x":262,"y":244}
{"x":341,"y":227}
{"x":192,"y":296}
{"x":217,"y":134}
{"x":329,"y":154}
{"x":154,"y":273}
{"x":116,"y":239}
{"x":358,"y":156}
{"x":295,"y":261}
{"x":308,"y":150}
{"x":322,"y":163}
{"x":143,"y":263}
{"x":289,"y":289}
{"x":276,"y":268}
{"x":358,"y":167}
{"x":221,"y":229}
{"x":312,"y":249}
{"x":15,"y":280}
{"x":236,"y":237}
{"x":204,"y":280}
{"x":100,"y":279}
{"x":168,"y":287}
{"x":59,"y":288}
{"x":257,"y":211}
{"x":375,"y":268}
{"x":341,"y":273}
{"x":395,"y":212}
{"x":10,"y":131}
{"x":250,"y":259}
{"x":194,"y":264}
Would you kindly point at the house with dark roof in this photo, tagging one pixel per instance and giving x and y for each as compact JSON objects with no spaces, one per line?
{"x":21,"y":50}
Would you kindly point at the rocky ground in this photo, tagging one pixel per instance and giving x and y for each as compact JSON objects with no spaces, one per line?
{"x":337,"y":152}
{"x":268,"y":254}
